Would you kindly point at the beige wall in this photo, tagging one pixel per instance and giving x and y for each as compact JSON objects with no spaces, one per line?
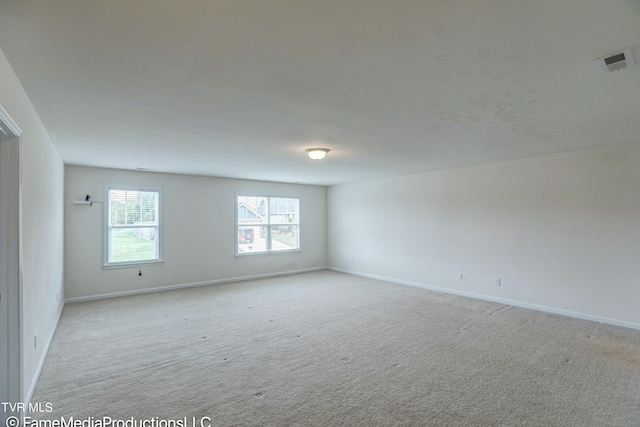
{"x":42,"y":221}
{"x":198,"y":232}
{"x":561,"y":232}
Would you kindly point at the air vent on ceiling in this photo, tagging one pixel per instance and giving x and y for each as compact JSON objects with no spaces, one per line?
{"x":617,"y":61}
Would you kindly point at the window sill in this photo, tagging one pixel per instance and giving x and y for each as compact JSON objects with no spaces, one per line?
{"x":131,"y":264}
{"x":244,"y":254}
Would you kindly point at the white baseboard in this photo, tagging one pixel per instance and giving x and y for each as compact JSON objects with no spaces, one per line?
{"x":191,"y":285}
{"x":521,"y":304}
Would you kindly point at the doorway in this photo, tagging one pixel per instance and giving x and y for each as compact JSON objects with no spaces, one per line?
{"x":10,"y":265}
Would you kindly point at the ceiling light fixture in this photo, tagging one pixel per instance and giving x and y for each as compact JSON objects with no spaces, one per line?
{"x":317,"y":153}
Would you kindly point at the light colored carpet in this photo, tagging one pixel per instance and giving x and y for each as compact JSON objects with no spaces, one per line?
{"x":330,"y":349}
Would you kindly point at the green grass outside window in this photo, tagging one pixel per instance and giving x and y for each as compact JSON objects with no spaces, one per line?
{"x":127,"y":247}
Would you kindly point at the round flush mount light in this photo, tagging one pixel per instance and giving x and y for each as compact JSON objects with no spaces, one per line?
{"x":317,"y":153}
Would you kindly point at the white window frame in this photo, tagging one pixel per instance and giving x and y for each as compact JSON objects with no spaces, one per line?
{"x":106,"y":228}
{"x":268,"y":225}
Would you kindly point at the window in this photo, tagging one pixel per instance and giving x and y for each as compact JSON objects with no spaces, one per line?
{"x":267,"y":224}
{"x":132,"y":231}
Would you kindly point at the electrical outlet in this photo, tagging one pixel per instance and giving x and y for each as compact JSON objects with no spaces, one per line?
{"x":496,"y":281}
{"x":460,"y":276}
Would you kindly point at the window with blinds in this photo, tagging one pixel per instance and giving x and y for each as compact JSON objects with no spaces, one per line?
{"x":267,"y":224}
{"x":132,"y":226}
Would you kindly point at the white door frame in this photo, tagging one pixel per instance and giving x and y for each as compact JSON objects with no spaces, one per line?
{"x":11,"y":384}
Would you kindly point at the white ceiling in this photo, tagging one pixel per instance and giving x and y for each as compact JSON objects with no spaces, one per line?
{"x":239,"y":88}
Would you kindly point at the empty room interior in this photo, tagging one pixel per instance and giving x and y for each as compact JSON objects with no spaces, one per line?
{"x":320,"y":213}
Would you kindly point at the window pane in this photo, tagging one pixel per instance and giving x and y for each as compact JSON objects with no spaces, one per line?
{"x":252,"y":210}
{"x":117,"y":207}
{"x":252,"y":239}
{"x":128,"y":207}
{"x":148,"y":207}
{"x":284,"y":238}
{"x":132,"y":244}
{"x":283,"y":211}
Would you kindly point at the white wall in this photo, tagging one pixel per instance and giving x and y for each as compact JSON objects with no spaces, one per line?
{"x":562,"y":232}
{"x":42,"y":221}
{"x":198,"y":232}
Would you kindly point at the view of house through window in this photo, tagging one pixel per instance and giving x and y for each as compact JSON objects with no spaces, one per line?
{"x":132,"y":226}
{"x":267,"y":224}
